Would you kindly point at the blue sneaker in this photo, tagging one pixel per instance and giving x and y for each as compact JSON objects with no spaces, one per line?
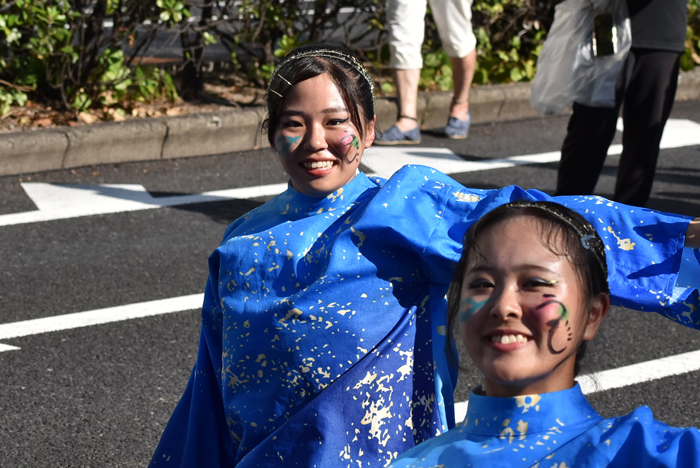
{"x":458,"y":129}
{"x":394,"y":136}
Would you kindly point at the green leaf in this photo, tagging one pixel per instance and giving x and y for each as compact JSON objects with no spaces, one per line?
{"x":20,"y":98}
{"x":515,"y":75}
{"x":81,"y":101}
{"x":208,"y":38}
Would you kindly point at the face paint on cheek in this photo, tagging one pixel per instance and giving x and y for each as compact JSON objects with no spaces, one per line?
{"x":284,"y":144}
{"x":553,"y":307}
{"x":468,"y":307}
{"x":351,"y":140}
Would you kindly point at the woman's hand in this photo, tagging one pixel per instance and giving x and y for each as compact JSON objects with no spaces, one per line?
{"x":692,"y":235}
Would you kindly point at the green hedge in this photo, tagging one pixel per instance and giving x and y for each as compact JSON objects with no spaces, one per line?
{"x":510,"y":34}
{"x":59,"y":51}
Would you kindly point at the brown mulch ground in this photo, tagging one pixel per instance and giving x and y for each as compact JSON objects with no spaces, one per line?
{"x":216,"y":96}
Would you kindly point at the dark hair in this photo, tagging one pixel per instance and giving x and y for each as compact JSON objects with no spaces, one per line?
{"x":345,"y":70}
{"x":581,"y":245}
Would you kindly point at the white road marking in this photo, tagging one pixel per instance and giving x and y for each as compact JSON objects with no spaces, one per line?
{"x":624,"y":376}
{"x":641,"y":372}
{"x":384,"y":161}
{"x":677,"y":133}
{"x":56,"y":201}
{"x":97,"y":317}
{"x":601,"y":381}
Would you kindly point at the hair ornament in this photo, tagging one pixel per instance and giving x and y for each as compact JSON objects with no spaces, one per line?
{"x":289,"y":84}
{"x":586,"y":241}
{"x":585,"y":231}
{"x":327,"y":54}
{"x":284,"y":79}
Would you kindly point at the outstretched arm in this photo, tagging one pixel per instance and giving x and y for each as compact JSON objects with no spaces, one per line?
{"x":649,"y":269}
{"x":644,"y":248}
{"x":692,"y":235}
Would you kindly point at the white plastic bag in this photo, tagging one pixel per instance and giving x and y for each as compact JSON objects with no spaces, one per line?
{"x":568,"y":70}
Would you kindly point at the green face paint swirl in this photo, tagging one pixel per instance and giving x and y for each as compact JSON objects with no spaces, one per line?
{"x":284,"y":143}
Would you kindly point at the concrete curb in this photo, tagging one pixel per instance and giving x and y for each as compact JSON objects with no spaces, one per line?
{"x":237,"y":130}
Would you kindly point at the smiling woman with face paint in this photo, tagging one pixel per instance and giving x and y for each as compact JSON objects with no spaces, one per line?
{"x":530,"y":291}
{"x":317,"y":143}
{"x":323,"y":324}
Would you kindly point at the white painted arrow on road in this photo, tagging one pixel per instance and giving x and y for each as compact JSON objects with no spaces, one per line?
{"x":56,"y":201}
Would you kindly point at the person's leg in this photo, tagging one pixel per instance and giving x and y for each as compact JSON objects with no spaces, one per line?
{"x":463,"y":73}
{"x":648,"y":102}
{"x":453,"y":21}
{"x":589,"y":134}
{"x":407,"y":95}
{"x":405,"y":24}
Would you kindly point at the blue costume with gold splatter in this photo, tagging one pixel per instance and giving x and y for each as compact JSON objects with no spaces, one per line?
{"x":323,"y":325}
{"x":554,"y":430}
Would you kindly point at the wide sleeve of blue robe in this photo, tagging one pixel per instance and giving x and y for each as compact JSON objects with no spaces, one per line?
{"x":197,"y":431}
{"x":644,"y":248}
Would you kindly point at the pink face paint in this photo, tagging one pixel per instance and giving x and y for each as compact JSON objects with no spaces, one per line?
{"x":350,"y":140}
{"x":347,"y":138}
{"x":552,"y":307}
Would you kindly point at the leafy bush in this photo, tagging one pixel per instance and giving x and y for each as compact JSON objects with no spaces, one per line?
{"x":510,"y":35}
{"x":691,"y":57}
{"x":61,"y":49}
{"x":65,"y":50}
{"x":255,"y":32}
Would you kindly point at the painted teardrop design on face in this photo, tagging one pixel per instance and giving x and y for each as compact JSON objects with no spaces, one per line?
{"x":284,"y":144}
{"x":563,"y":314}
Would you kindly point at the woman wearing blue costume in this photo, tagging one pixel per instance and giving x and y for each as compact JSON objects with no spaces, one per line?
{"x":323,"y":324}
{"x":530,"y":290}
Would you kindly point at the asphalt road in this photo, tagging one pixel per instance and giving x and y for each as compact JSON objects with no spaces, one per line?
{"x":99,"y":396}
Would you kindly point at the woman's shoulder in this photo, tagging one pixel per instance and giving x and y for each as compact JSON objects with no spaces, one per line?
{"x":641,"y":422}
{"x":291,"y":206}
{"x":431,"y":450}
{"x":415,"y":178}
{"x":634,"y":439}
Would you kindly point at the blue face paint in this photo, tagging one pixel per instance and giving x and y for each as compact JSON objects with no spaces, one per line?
{"x":468,"y":307}
{"x":284,"y":143}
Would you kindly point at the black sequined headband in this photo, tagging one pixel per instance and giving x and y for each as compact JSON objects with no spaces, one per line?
{"x":590,"y":240}
{"x":322,"y":53}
